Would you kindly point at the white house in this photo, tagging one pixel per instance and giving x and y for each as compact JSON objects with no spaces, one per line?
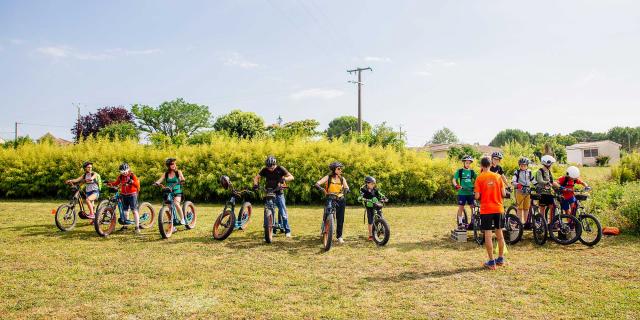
{"x":585,"y":153}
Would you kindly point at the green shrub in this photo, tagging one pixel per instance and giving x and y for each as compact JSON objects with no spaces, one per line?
{"x":616,"y":205}
{"x":628,"y":169}
{"x":630,"y":206}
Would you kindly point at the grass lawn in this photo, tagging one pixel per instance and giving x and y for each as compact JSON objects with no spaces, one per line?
{"x":45,"y":273}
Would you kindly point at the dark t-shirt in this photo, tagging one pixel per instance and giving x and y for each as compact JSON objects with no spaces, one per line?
{"x":273,"y":177}
{"x":497,"y":169}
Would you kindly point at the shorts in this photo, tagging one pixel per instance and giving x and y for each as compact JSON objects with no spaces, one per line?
{"x":523,"y":201}
{"x":566,"y":203}
{"x":96,"y":192}
{"x":491,"y":221}
{"x":546,"y":200}
{"x":130,"y":201}
{"x":369,"y":215}
{"x":465,"y":199}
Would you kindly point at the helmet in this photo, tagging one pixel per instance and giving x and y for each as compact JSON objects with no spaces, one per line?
{"x":86,"y":163}
{"x":334,"y":165}
{"x":497,"y":154}
{"x":369,"y":179}
{"x":547,"y":160}
{"x":573,"y":172}
{"x":224,"y":182}
{"x":271,"y":161}
{"x":524,"y":160}
{"x":467,"y":158}
{"x":169,"y":161}
{"x":124,"y":168}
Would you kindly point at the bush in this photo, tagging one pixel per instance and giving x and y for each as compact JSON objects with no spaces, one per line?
{"x":616,"y":204}
{"x":628,"y":169}
{"x":34,"y":171}
{"x":602,"y":161}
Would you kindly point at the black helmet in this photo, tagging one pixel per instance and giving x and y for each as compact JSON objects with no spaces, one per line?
{"x":467,"y":158}
{"x":335,"y":165}
{"x":169,"y":161}
{"x":124,"y":168}
{"x":224,"y":182}
{"x":86,"y":163}
{"x":271,"y":161}
{"x":497,"y":155}
{"x":369,"y":179}
{"x":523,"y":160}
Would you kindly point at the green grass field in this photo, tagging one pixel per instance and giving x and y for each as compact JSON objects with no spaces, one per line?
{"x":45,"y":273}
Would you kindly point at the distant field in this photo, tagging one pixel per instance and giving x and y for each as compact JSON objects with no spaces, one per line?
{"x":45,"y":273}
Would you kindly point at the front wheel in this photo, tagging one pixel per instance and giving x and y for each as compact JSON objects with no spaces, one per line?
{"x":245,"y":215}
{"x":381,"y":231}
{"x":565,"y":229}
{"x":66,"y":217}
{"x":268,"y":225}
{"x":539,"y":228}
{"x":327,"y":232}
{"x":165,"y":222}
{"x":591,"y":230}
{"x":189,"y":212}
{"x":478,"y":234}
{"x":512,"y":229}
{"x":100,"y":205}
{"x":224,"y":224}
{"x":147,"y":215}
{"x":105,"y":220}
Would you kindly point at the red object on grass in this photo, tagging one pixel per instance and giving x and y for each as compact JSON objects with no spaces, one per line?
{"x":611,"y":231}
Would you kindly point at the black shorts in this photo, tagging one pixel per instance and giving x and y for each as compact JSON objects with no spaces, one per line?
{"x":546,"y":200}
{"x":491,"y":221}
{"x":369,"y":215}
{"x":130,"y":201}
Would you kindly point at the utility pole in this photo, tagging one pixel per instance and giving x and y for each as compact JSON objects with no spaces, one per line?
{"x":15,"y":140}
{"x":359,"y":82}
{"x":78,"y":125}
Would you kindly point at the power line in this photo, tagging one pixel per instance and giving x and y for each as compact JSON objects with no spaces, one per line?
{"x":359,"y":83}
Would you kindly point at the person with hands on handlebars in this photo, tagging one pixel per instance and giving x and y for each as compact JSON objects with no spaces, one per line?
{"x":544,"y":182}
{"x":463,"y":181}
{"x":522,"y":181}
{"x":496,"y":158}
{"x":275,"y":178}
{"x":92,"y":186}
{"x":174,"y":180}
{"x":335,"y":183}
{"x":567,"y":184}
{"x":129,"y":188}
{"x":370,"y":197}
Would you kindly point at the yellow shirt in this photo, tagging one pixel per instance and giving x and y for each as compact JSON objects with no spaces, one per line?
{"x":335,"y":185}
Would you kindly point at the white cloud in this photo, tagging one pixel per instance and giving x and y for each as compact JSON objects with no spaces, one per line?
{"x":320,"y":93}
{"x":435,"y":64}
{"x":377,"y":59}
{"x":59,"y":52}
{"x":236,"y":60}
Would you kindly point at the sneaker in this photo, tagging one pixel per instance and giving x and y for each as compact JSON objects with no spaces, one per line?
{"x":491,"y":265}
{"x":91,"y":217}
{"x":340,"y":240}
{"x":138,"y":231}
{"x":120,"y":221}
{"x":370,"y":238}
{"x":500,"y":261}
{"x":462,"y":227}
{"x":174,"y":229}
{"x":182,"y":222}
{"x":288,"y":234}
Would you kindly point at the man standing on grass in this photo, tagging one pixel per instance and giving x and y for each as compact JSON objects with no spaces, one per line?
{"x":489,"y":190}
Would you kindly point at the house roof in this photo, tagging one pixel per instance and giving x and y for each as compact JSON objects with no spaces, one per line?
{"x":58,"y":141}
{"x":593,"y":144}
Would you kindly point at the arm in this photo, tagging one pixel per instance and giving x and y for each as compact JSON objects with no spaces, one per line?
{"x":160,"y":181}
{"x":503,"y":190}
{"x":288,"y":177}
{"x":77,"y":180}
{"x":346,"y":185}
{"x":256,"y":179}
{"x":114,"y":183}
{"x":180,"y":176}
{"x":476,"y":190}
{"x":136,"y":182}
{"x":321,"y":182}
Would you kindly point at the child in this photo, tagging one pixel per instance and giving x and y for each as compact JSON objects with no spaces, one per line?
{"x":369,"y":196}
{"x":463,"y":181}
{"x":522,"y":181}
{"x":129,"y":188}
{"x":544,"y":182}
{"x":92,"y":185}
{"x":567,"y":184}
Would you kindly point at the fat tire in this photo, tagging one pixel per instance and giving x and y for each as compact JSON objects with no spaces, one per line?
{"x":576,"y":223}
{"x":387,"y":232}
{"x":188,"y":206}
{"x":216,"y":225}
{"x":268,"y":226}
{"x":510,"y":217}
{"x":98,"y":218}
{"x":150,"y":219}
{"x":598,"y":226}
{"x":165,"y":234}
{"x":60,"y":212}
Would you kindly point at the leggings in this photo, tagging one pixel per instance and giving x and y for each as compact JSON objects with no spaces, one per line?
{"x":340,"y":207}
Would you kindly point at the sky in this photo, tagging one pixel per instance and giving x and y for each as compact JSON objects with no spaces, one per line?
{"x":476,"y":67}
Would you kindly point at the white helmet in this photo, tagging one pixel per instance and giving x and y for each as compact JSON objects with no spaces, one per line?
{"x":573,"y":172}
{"x":547,"y":160}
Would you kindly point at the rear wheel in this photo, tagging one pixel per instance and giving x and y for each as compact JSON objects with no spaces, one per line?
{"x":268,"y":225}
{"x":165,"y":222}
{"x":591,"y":230}
{"x":381,"y":231}
{"x":105,"y":221}
{"x":245,"y":215}
{"x":565,"y":229}
{"x":478,"y":234}
{"x":189,"y":212}
{"x":512,"y":229}
{"x":147,"y":215}
{"x":539,"y":228}
{"x":100,"y":205}
{"x":327,"y":232}
{"x":66,"y":217}
{"x":224,"y":224}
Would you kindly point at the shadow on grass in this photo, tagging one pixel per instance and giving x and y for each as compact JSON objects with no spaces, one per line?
{"x":80,"y":232}
{"x":441,"y":242}
{"x":412,"y":275}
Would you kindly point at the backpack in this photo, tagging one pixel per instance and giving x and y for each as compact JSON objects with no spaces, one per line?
{"x":566,"y":182}
{"x":326,"y":186}
{"x":535,"y":182}
{"x":473,"y":174}
{"x":98,"y":180}
{"x":517,"y":174}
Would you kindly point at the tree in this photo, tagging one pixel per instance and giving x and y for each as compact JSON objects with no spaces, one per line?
{"x":458,"y":152}
{"x":566,"y":140}
{"x":120,"y":131}
{"x":345,"y":126}
{"x":240,"y":124}
{"x":22,"y":140}
{"x":444,"y":135}
{"x":510,"y":135}
{"x":303,"y":128}
{"x":91,"y":124}
{"x":172,"y":118}
{"x":385,"y":136}
{"x":628,"y":137}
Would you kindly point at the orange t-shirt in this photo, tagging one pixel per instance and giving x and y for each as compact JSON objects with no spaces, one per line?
{"x":490,"y":186}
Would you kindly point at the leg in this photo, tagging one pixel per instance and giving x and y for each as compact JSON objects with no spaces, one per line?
{"x":90,"y":199}
{"x":282,"y":212}
{"x":340,"y":217}
{"x":136,"y":216}
{"x":500,"y":238}
{"x":370,"y":221}
{"x":488,"y":243}
{"x":177,"y":201}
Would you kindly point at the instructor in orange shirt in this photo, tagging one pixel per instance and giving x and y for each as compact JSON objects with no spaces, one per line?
{"x":489,"y":190}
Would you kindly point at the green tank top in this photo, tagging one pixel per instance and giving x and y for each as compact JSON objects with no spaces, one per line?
{"x":170,"y":181}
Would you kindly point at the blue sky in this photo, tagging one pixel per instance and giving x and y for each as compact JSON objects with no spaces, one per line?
{"x":474,"y":66}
